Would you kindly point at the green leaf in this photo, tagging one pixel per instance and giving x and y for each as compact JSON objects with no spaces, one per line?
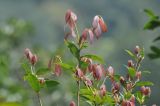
{"x":155,"y":54}
{"x":131,"y":54}
{"x":152,"y":24}
{"x":10,"y":104}
{"x":140,"y":98}
{"x":117,"y":78}
{"x":73,"y":49}
{"x":156,"y":39}
{"x":131,"y":72}
{"x":33,"y":82}
{"x":51,"y":83}
{"x":155,"y":49}
{"x":94,"y":57}
{"x":149,"y":13}
{"x":142,"y":52}
{"x":83,"y":65}
{"x":144,"y":83}
{"x":66,"y":66}
{"x":42,"y":71}
{"x":146,"y":72}
{"x":26,"y":67}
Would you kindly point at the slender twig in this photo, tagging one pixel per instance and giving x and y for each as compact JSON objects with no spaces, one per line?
{"x":78,"y":93}
{"x":39,"y":99}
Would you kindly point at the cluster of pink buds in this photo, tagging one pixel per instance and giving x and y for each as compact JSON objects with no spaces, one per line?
{"x":130,"y":102}
{"x":72,"y":103}
{"x":31,"y":57}
{"x":145,"y":90}
{"x":103,"y":90}
{"x":98,"y":27}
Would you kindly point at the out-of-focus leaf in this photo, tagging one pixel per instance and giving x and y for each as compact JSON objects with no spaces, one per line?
{"x":117,"y":78}
{"x":156,"y":39}
{"x":83,"y":65}
{"x":42,"y":71}
{"x":131,"y":54}
{"x":146,"y":72}
{"x":73,"y":48}
{"x":10,"y":104}
{"x":26,"y":67}
{"x":144,"y":83}
{"x":131,"y":71}
{"x":51,"y":83}
{"x":94,"y":57}
{"x":33,"y":82}
{"x":152,"y":24}
{"x":149,"y":13}
{"x":66,"y":66}
{"x":155,"y":54}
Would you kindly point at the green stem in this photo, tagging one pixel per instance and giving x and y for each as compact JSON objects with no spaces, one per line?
{"x":39,"y":99}
{"x":78,"y":93}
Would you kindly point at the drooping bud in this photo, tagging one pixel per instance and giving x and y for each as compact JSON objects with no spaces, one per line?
{"x":122,"y":80}
{"x":102,"y":90}
{"x":137,"y":50}
{"x":58,"y":69}
{"x":28,"y":53}
{"x":88,"y":81}
{"x":79,"y":73}
{"x":130,"y":63}
{"x":145,"y":90}
{"x":72,"y":103}
{"x":99,"y":26}
{"x":110,"y":71}
{"x":34,"y":59}
{"x":138,"y":75}
{"x":97,"y":71}
{"x":116,"y":88}
{"x":129,"y":86}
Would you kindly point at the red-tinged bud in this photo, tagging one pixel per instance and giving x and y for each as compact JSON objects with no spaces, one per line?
{"x":84,"y":35}
{"x":88,"y":82}
{"x":145,"y":90}
{"x":129,"y":86}
{"x":130,"y":63}
{"x":102,"y":25}
{"x":122,"y":81}
{"x":72,"y":103}
{"x":99,"y":26}
{"x":138,"y":75}
{"x":34,"y":59}
{"x":70,"y":18}
{"x":110,"y":71}
{"x":28,"y":53}
{"x":127,"y":103}
{"x":97,"y":71}
{"x":102,"y":90}
{"x":91,"y":36}
{"x":57,"y":70}
{"x":132,"y":99}
{"x":137,"y":50}
{"x":41,"y":80}
{"x":79,"y":73}
{"x":115,"y":88}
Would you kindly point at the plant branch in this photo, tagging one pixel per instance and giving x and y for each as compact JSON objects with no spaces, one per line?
{"x":39,"y":99}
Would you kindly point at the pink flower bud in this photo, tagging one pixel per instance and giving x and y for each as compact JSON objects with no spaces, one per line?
{"x":137,"y":50}
{"x":79,"y":73}
{"x":72,"y":103}
{"x":99,"y":26}
{"x":34,"y":59}
{"x":110,"y":71}
{"x":115,"y":88}
{"x":91,"y":35}
{"x":129,"y":86}
{"x":58,"y":70}
{"x":70,"y":18}
{"x":145,"y":90}
{"x":122,"y":80}
{"x":28,"y":53}
{"x":88,"y":82}
{"x":130,"y":63}
{"x":138,"y":75}
{"x":102,"y":90}
{"x":97,"y":71}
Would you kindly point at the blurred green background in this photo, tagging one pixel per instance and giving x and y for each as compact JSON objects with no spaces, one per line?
{"x":39,"y":25}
